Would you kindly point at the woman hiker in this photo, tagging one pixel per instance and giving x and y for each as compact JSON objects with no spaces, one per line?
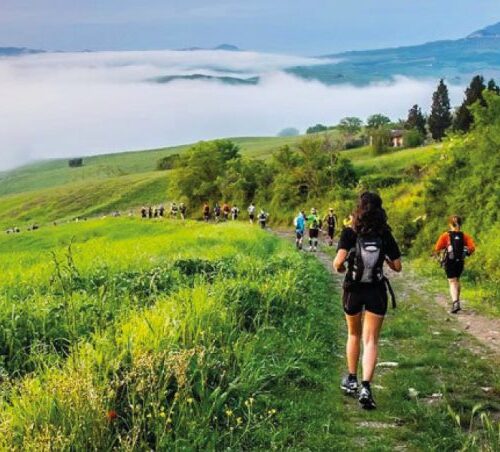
{"x":364,"y":247}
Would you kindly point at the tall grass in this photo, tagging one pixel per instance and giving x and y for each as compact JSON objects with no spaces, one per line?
{"x":190,"y":349}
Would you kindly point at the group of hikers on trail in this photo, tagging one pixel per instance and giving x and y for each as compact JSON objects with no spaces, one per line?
{"x":226,"y":211}
{"x":159,"y":212}
{"x":365,"y":245}
{"x":313,"y":224}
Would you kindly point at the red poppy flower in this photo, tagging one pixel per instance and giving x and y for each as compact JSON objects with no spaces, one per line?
{"x":111,"y":415}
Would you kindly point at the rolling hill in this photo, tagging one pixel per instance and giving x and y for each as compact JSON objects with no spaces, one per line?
{"x":455,"y":60}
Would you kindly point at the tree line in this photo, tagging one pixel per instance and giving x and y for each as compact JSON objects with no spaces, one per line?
{"x":417,"y":127}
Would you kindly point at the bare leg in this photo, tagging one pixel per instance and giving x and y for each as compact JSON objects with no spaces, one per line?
{"x":354,"y":328}
{"x":371,"y":329}
{"x":454,"y":288}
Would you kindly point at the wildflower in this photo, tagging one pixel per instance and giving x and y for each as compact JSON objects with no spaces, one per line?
{"x":190,"y":400}
{"x":239,"y":421}
{"x":169,"y":420}
{"x":249,"y":402}
{"x":229,"y":413}
{"x":271,"y":412}
{"x":111,"y":415}
{"x":162,"y":414}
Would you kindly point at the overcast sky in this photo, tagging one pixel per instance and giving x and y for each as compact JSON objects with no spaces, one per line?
{"x":293,"y":26}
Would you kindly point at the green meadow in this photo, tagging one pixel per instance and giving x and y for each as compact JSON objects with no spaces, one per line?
{"x":125,"y":334}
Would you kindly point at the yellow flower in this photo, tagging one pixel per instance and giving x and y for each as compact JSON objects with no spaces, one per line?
{"x":162,"y":414}
{"x":239,"y":421}
{"x":229,"y":413}
{"x":271,"y":412}
{"x":169,"y":420}
{"x":190,"y":400}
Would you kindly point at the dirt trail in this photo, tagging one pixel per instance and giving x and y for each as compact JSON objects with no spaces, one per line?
{"x":485,"y":330}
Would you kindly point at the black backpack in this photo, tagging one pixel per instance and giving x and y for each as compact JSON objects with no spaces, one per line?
{"x":456,"y":249}
{"x":365,"y":264}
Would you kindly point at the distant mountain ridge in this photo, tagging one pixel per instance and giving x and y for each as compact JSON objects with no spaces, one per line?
{"x":17,"y":51}
{"x":203,"y":77}
{"x":226,"y":47}
{"x":456,"y":60}
{"x":493,"y":31}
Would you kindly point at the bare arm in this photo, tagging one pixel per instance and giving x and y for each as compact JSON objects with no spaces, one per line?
{"x":339,"y":261}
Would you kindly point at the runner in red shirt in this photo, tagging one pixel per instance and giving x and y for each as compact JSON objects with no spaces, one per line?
{"x":456,"y":246}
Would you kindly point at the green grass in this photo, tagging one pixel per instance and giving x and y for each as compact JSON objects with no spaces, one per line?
{"x":53,"y":173}
{"x":185,"y":336}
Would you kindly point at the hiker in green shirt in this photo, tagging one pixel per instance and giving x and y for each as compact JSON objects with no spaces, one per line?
{"x":314,"y":225}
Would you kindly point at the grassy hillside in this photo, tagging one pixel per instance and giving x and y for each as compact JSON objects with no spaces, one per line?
{"x":54,"y":173}
{"x":51,"y":191}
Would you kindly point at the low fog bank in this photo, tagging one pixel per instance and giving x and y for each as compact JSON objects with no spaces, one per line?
{"x":63,"y":105}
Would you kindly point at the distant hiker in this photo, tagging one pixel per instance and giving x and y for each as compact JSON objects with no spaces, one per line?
{"x":182,"y":210}
{"x":364,"y":247}
{"x":314,"y":225}
{"x":144,"y":212}
{"x":331,"y":222}
{"x":217,"y":212}
{"x":300,"y":227}
{"x":150,"y":212}
{"x":174,"y":210}
{"x":161,"y":210}
{"x":234,"y":213}
{"x":206,"y":212}
{"x":347,"y":222}
{"x":155,"y":212}
{"x":251,"y":212}
{"x":456,"y":246}
{"x":225,"y":211}
{"x":262,"y":218}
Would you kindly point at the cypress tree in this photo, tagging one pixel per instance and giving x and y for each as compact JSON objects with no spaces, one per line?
{"x":440,"y":117}
{"x":416,"y":120}
{"x":463,"y":117}
{"x":493,"y":87}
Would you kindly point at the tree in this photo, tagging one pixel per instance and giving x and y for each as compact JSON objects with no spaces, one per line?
{"x":493,"y":87}
{"x":75,"y":163}
{"x":316,"y":129}
{"x":350,"y":125}
{"x":377,"y":120}
{"x":413,"y":138}
{"x":227,"y":149}
{"x":440,"y":117}
{"x":416,"y":120}
{"x":380,"y":139}
{"x":168,"y":162}
{"x":201,"y":169}
{"x":289,"y":132}
{"x":474,"y":93}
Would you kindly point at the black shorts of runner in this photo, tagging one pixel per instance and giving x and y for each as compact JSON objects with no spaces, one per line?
{"x":299,"y":234}
{"x":371,"y":297}
{"x":313,"y":233}
{"x":331,"y":231}
{"x":252,"y":216}
{"x":454,"y":269}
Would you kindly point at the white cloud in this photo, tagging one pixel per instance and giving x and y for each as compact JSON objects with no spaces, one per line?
{"x":58,"y":105}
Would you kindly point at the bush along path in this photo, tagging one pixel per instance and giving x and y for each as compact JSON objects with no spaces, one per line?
{"x":437,"y":387}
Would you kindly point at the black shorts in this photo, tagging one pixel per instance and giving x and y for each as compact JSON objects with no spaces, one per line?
{"x":252,"y":216}
{"x":299,"y":234}
{"x":331,"y":231}
{"x":373,"y":297}
{"x":313,"y":233}
{"x":454,"y":269}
